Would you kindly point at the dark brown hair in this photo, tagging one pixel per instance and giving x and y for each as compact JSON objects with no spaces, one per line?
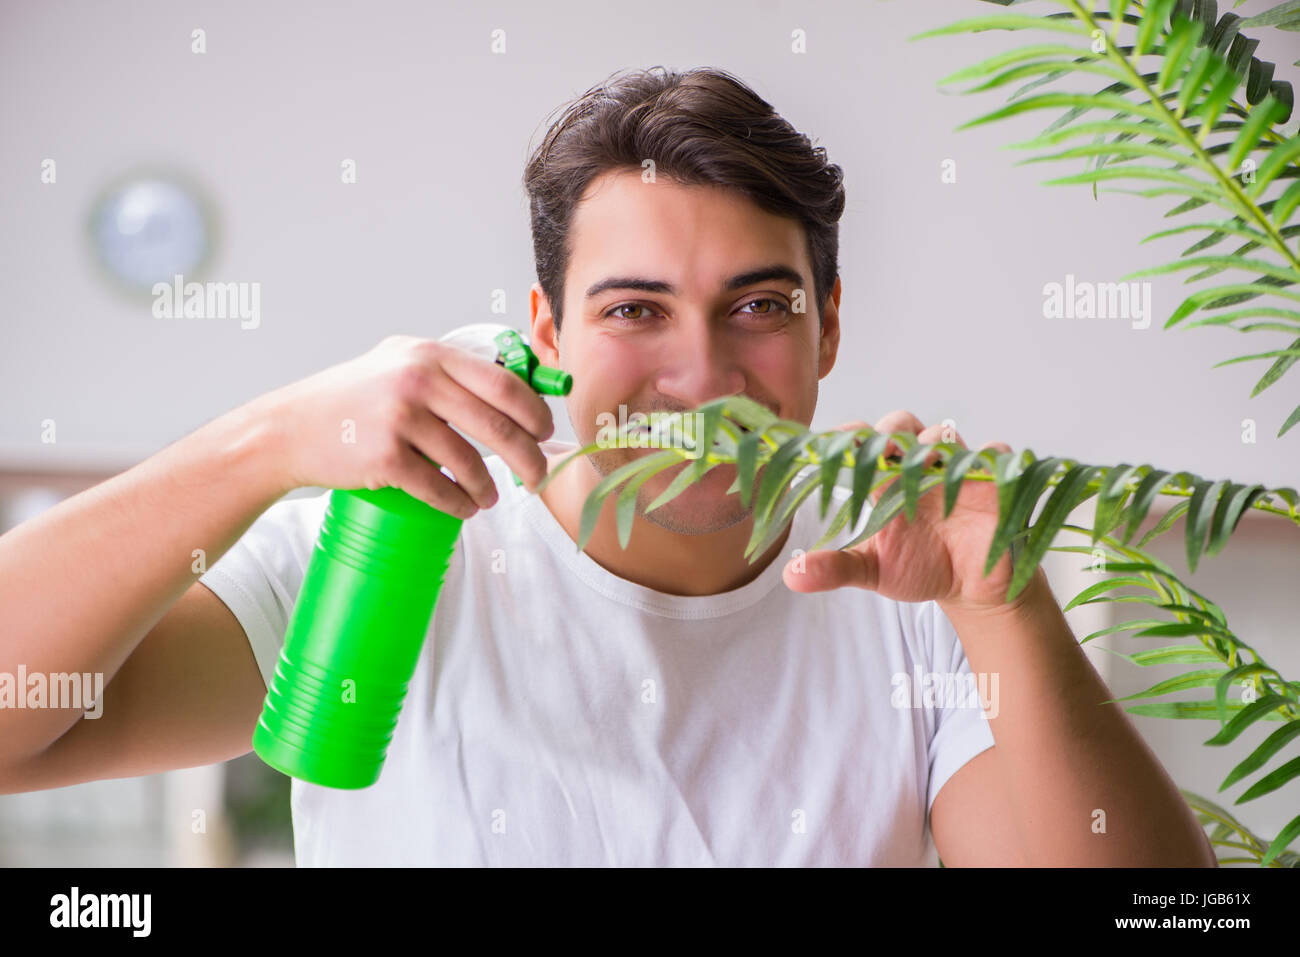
{"x":701,"y":127}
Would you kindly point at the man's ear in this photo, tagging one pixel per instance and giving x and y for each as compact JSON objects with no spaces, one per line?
{"x":543,"y":338}
{"x":829,"y":344}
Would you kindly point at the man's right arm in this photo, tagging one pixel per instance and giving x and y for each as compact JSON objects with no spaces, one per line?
{"x":104,"y":582}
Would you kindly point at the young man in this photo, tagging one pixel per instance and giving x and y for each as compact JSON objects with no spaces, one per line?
{"x":667,"y":703}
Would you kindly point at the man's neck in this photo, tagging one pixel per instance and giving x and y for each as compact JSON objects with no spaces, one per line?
{"x":655,"y":557}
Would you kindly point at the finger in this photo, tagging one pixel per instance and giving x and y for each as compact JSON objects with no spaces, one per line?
{"x":441,"y":443}
{"x":900,"y":420}
{"x":482,"y":420}
{"x":419,"y":479}
{"x":499,"y":388}
{"x":1000,"y":446}
{"x":938,"y":433}
{"x":825,"y":569}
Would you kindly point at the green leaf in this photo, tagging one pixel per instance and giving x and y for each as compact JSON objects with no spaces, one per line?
{"x":1271,"y":781}
{"x":1211,"y":811}
{"x":1027,"y":488}
{"x":626,"y":506}
{"x":1146,"y":493}
{"x":1225,"y":82}
{"x":1277,"y":160}
{"x":1122,"y":127}
{"x":1108,"y":149}
{"x":891,"y":501}
{"x":1166,"y":522}
{"x":956,"y":469}
{"x":1247,"y":716}
{"x":1111,"y":494}
{"x":1002,"y":22}
{"x":832,"y":463}
{"x":1231,"y":507}
{"x":1223,"y":262}
{"x":1149,"y":28}
{"x":1259,"y":757}
{"x":1194,"y":203}
{"x":591,"y":508}
{"x":841,"y":519}
{"x":1193,"y":679}
{"x":1071,"y":491}
{"x":1175,"y":654}
{"x":1188,"y":709}
{"x":1054,"y":68}
{"x":1230,"y":317}
{"x":1182,"y":42}
{"x":1291,"y":420}
{"x":1260,"y":119}
{"x":1285,"y":361}
{"x":1198,"y":518}
{"x":693,"y":472}
{"x":1284,"y":838}
{"x":1132,"y":172}
{"x":1275,"y":16}
{"x":1286,"y":203}
{"x":1213,"y":616}
{"x":1201,"y":68}
{"x":1219,"y":231}
{"x":867,"y":459}
{"x":1183,"y":629}
{"x":793,"y":497}
{"x":913,"y":467}
{"x":1212,"y":296}
{"x":1081,"y":101}
{"x":779,"y":470}
{"x":1000,"y":60}
{"x":1228,"y":677}
{"x":754,"y":416}
{"x":1110,"y":584}
{"x":747,"y":465}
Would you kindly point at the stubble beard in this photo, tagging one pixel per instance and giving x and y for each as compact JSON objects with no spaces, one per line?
{"x":704,"y":512}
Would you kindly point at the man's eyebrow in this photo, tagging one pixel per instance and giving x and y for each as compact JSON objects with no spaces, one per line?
{"x":739,"y":281}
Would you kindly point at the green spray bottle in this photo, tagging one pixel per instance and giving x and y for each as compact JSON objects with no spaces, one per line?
{"x":365,"y":606}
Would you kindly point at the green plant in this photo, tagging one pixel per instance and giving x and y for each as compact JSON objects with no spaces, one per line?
{"x":1184,"y":112}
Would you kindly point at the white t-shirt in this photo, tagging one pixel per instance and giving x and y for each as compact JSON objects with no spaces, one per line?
{"x":562,"y":715}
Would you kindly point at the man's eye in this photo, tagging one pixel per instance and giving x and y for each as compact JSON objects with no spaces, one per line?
{"x":626,"y":305}
{"x":778,"y":307}
{"x":774,"y":308}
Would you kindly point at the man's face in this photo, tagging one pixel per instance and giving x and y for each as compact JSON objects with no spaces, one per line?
{"x":706,"y":329}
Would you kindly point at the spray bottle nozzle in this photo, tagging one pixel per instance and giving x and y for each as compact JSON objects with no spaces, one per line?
{"x":514,"y":354}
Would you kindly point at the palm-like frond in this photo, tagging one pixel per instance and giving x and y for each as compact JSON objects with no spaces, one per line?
{"x":1203,"y":126}
{"x":1221,"y":661}
{"x":738,"y":431}
{"x":780,"y":463}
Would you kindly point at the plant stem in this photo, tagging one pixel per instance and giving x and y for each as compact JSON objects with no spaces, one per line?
{"x":1206,"y":161}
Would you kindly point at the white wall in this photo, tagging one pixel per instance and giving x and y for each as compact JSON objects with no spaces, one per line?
{"x":942,"y":304}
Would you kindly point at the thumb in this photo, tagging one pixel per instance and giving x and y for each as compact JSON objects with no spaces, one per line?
{"x":831,"y":568}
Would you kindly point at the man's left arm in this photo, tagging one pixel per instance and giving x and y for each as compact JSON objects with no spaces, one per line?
{"x":1069,"y":777}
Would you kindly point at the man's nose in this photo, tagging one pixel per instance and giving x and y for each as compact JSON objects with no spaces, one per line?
{"x":700,"y":366}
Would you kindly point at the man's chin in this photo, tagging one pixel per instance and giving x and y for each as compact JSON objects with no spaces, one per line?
{"x":702,"y":507}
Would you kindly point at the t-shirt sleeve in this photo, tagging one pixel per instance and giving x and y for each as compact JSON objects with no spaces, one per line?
{"x":961,"y":731}
{"x":260,"y":576}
